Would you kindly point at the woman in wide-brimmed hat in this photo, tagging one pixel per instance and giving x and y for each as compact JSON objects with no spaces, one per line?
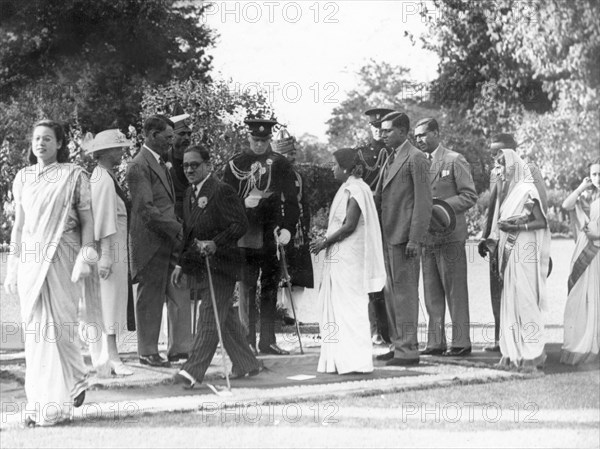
{"x":109,"y":205}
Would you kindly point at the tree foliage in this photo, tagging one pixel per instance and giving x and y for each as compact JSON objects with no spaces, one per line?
{"x":217,"y":111}
{"x":531,"y":68}
{"x":87,"y":64}
{"x":99,"y":52}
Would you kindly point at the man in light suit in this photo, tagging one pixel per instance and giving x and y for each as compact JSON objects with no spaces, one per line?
{"x":444,"y":257}
{"x":215,"y":219}
{"x":155,"y":235}
{"x":403,"y":197}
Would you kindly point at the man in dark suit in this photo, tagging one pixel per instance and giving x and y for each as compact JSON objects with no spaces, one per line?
{"x":444,"y":256}
{"x":403,"y":197}
{"x":214,"y":221}
{"x":264,"y":180}
{"x":155,"y":235}
{"x":489,"y":245}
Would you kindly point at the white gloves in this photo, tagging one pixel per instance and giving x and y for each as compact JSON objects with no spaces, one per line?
{"x":284,"y":236}
{"x":87,"y":256}
{"x":251,"y":202}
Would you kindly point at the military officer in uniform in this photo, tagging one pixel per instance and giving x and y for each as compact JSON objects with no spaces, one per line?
{"x":374,"y":156}
{"x":181,"y":140}
{"x":264,"y":180}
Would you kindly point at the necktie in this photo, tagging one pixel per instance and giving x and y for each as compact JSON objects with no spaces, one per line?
{"x":391,"y":158}
{"x":167,"y":174}
{"x":429,"y":156}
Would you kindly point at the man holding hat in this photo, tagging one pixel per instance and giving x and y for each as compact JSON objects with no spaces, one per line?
{"x":403,"y":197}
{"x":181,"y":140}
{"x":374,"y":156}
{"x":444,"y":257}
{"x":264,"y":180}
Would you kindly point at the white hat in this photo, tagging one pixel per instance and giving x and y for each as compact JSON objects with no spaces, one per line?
{"x":110,"y":138}
{"x":180,"y":121}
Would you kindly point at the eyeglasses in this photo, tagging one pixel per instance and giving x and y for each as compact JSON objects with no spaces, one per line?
{"x":193,"y":165}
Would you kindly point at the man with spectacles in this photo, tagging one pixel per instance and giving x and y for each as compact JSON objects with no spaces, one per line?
{"x":265,"y":181}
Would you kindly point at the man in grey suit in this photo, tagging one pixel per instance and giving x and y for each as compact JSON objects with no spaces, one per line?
{"x":155,"y":235}
{"x":444,"y":257}
{"x":403,"y":198}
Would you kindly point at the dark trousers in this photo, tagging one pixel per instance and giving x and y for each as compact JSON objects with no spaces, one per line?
{"x":495,"y":292}
{"x":378,"y":316}
{"x":154,"y":288}
{"x":263,"y":263}
{"x":207,"y":338}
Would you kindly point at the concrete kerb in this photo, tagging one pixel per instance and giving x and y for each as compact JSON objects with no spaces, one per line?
{"x":435,"y":376}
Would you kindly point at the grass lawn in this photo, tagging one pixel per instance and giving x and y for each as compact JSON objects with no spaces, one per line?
{"x":550,"y":411}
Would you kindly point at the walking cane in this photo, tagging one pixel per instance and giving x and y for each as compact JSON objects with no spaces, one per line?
{"x":214,"y":303}
{"x":194,"y":292}
{"x":288,"y":285}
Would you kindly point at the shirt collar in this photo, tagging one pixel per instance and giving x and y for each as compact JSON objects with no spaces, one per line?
{"x":154,"y":153}
{"x":434,"y":152}
{"x":198,"y":186}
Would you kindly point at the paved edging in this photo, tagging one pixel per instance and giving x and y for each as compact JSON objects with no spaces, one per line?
{"x":241,"y":397}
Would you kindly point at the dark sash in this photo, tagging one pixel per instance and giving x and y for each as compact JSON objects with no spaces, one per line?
{"x":507,"y":250}
{"x":583,"y":261}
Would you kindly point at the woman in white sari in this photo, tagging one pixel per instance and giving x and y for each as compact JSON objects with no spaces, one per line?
{"x":524,"y":254}
{"x":582,"y":311}
{"x":53,"y":225}
{"x":354,"y":267}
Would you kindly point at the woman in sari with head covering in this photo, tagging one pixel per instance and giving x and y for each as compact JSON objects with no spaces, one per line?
{"x":52,"y":240}
{"x":354,"y":267}
{"x":524,"y":253}
{"x":582,"y":311}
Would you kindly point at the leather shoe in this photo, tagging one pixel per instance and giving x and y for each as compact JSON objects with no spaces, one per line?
{"x":386,"y":356}
{"x":458,"y":352}
{"x":252,"y":373}
{"x":253,"y":348}
{"x":433,"y":351}
{"x":177,"y":357}
{"x":492,"y":348}
{"x":402,"y":362}
{"x":78,"y":400}
{"x":154,"y":360}
{"x":184,"y":379}
{"x":274,"y":349}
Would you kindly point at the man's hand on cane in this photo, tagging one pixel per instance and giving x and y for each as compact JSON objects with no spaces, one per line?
{"x":206,"y":247}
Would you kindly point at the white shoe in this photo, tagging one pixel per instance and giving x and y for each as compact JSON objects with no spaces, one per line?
{"x":103,"y":370}
{"x":119,"y":369}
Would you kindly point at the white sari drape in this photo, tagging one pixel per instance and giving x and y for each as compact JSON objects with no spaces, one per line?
{"x":582,"y":311}
{"x":353,"y":268}
{"x":524,"y":276}
{"x":50,"y":242}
